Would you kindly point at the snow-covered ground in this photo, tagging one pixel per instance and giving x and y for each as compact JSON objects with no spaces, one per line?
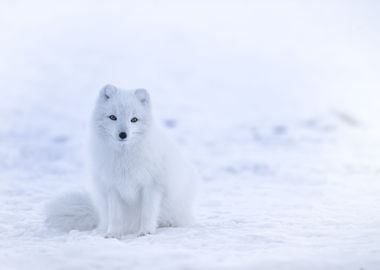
{"x":275,"y":102}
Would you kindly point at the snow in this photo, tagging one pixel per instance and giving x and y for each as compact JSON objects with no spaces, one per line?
{"x":275,"y":102}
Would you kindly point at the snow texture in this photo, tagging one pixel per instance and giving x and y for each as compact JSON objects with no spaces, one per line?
{"x":275,"y":102}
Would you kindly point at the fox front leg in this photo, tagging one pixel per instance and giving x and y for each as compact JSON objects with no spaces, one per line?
{"x":116,"y":219}
{"x":150,"y":209}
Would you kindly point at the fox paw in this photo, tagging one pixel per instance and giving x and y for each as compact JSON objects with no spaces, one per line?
{"x":144,"y":232}
{"x":114,"y":235}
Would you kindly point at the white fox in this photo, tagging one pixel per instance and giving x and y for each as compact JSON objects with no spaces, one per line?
{"x":140,"y":180}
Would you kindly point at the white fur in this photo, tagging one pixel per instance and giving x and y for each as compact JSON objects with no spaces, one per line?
{"x":141,"y":182}
{"x":72,"y":211}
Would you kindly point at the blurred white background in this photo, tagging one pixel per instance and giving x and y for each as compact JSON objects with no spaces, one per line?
{"x":261,"y":58}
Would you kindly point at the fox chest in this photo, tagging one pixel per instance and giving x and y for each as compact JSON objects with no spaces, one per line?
{"x":128,"y":179}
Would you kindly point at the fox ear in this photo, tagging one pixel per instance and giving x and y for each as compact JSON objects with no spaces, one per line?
{"x":108,"y":91}
{"x":143,"y":96}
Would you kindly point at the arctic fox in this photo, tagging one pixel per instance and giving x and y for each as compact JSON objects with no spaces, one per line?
{"x":139,"y":179}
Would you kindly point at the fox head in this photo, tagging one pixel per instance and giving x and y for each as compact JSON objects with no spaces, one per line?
{"x":122,"y":117}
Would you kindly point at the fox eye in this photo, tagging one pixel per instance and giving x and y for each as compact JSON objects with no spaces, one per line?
{"x":134,"y":120}
{"x":112,"y":117}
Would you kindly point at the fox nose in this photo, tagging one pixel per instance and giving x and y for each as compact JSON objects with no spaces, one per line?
{"x":122,"y":135}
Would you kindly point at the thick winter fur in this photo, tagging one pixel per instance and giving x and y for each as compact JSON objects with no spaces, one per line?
{"x":72,"y":211}
{"x":139,"y":182}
